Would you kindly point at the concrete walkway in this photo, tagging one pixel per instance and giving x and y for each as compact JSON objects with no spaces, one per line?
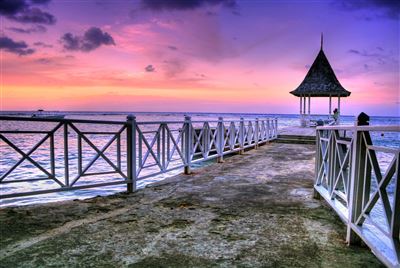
{"x":297,"y":131}
{"x":254,"y":210}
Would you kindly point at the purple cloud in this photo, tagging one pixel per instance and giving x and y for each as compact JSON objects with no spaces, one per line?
{"x":12,"y":7}
{"x":389,"y":8}
{"x":41,"y":44}
{"x":41,"y":1}
{"x":34,"y":15}
{"x":160,"y":5}
{"x":23,"y":11}
{"x":92,"y":39}
{"x":149,"y":68}
{"x":19,"y":48}
{"x":35,"y":29}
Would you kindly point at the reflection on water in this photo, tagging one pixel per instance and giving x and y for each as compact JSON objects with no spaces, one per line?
{"x":9,"y":157}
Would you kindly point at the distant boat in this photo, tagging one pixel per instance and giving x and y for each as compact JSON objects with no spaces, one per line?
{"x":48,"y":115}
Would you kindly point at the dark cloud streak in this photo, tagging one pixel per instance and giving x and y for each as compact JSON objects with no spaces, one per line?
{"x":41,"y":2}
{"x":172,"y":47}
{"x":19,"y":48}
{"x":34,"y":15}
{"x":25,"y":11}
{"x":162,"y":5}
{"x":41,"y":44}
{"x":389,"y":8}
{"x":12,"y":7}
{"x":35,"y":29}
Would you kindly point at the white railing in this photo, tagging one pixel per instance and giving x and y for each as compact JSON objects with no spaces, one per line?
{"x":351,"y":178}
{"x":66,"y":154}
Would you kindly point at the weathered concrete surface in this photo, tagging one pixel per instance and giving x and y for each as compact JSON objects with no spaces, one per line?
{"x":297,"y":131}
{"x":254,"y":210}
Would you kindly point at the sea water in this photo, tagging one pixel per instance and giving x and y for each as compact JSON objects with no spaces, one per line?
{"x":8,"y":156}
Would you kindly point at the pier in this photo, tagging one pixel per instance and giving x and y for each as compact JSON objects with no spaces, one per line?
{"x":253,"y":210}
{"x":257,"y":202}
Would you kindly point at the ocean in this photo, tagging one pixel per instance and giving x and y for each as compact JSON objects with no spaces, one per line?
{"x":9,"y":157}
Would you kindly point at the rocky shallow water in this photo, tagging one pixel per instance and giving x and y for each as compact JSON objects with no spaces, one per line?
{"x":253,"y":210}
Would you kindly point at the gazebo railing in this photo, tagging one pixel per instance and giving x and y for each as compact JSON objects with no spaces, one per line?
{"x":363,"y":189}
{"x":39,"y":155}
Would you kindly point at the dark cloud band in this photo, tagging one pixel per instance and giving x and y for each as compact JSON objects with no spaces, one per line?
{"x":25,"y":11}
{"x":35,"y":29}
{"x":19,"y":48}
{"x":389,"y":8}
{"x":159,"y":5}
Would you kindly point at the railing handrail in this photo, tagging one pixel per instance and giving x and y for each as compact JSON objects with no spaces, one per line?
{"x":61,"y":120}
{"x":388,"y":128}
{"x":115,"y":122}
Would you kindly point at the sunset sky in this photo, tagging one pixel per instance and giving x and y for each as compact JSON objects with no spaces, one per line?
{"x":195,"y":55}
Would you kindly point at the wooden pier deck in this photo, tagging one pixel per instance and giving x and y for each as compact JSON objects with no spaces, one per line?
{"x":253,"y":210}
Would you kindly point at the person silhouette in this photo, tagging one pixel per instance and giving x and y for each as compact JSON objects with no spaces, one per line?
{"x":336,"y":115}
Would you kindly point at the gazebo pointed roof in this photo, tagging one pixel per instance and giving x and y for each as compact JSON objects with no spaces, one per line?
{"x":321,"y":80}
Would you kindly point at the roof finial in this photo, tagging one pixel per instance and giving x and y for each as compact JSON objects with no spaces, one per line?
{"x":322,"y":40}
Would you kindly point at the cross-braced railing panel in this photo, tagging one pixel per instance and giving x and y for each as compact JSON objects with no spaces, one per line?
{"x":53,"y":160}
{"x":333,"y":165}
{"x":360,"y":180}
{"x":159,"y":150}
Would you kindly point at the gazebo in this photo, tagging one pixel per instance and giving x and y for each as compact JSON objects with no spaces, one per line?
{"x":320,"y":81}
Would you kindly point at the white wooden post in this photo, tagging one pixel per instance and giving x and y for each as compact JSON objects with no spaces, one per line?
{"x":131,"y":153}
{"x":357,"y":177}
{"x":318,"y":158}
{"x":256,"y":133}
{"x":241,"y":135}
{"x":309,"y":104}
{"x":188,"y":143}
{"x":220,"y":140}
{"x":395,"y":230}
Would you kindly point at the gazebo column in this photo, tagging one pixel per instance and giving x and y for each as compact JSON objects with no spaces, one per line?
{"x":301,"y":106}
{"x":309,"y":104}
{"x":330,"y":104}
{"x":338,"y":107}
{"x":304,"y":105}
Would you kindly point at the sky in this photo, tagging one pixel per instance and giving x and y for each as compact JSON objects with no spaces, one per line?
{"x":195,"y":55}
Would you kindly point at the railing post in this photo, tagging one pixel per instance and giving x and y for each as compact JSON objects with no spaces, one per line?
{"x":317,"y":162}
{"x":131,"y":152}
{"x":66,"y":155}
{"x":357,"y":177}
{"x":220,"y":140}
{"x":256,"y":134}
{"x":395,"y":231}
{"x":188,"y":143}
{"x":241,"y":135}
{"x":331,"y":161}
{"x":269,"y":137}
